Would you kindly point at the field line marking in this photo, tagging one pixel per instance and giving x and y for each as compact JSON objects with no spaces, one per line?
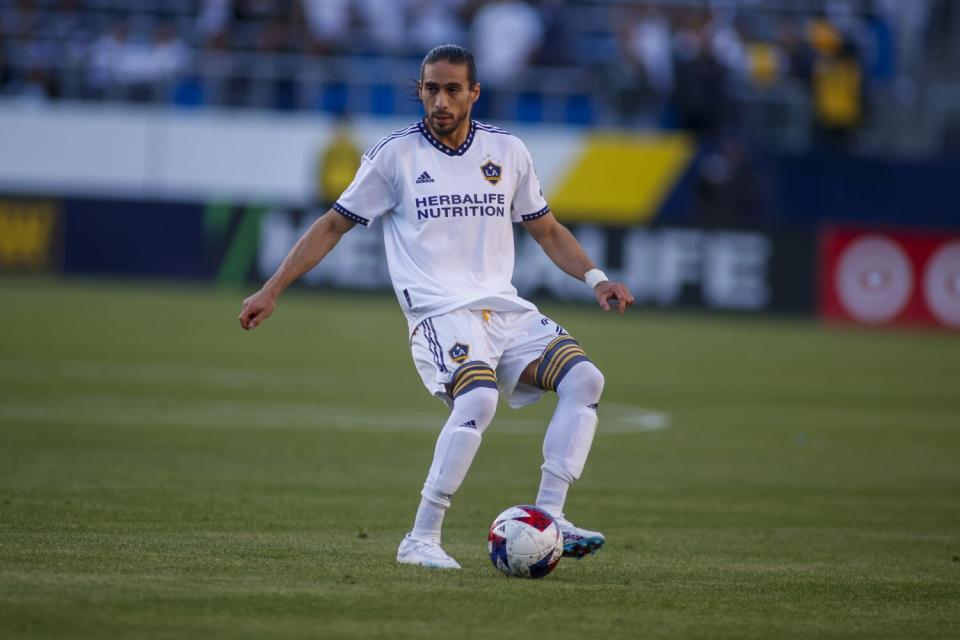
{"x":112,"y":409}
{"x":156,"y":372}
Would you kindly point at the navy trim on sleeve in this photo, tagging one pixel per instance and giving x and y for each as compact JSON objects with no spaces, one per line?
{"x":535,"y":215}
{"x":349,"y":215}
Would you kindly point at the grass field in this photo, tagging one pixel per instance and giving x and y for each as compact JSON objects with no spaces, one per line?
{"x":165,"y":475}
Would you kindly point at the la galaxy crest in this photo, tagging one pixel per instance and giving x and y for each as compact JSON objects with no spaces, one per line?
{"x":492,"y":172}
{"x":459,"y":352}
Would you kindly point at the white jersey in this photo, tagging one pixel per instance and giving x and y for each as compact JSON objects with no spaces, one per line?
{"x":448,"y":216}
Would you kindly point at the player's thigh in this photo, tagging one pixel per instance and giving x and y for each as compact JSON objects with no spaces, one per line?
{"x":440,"y":345}
{"x":529,"y":334}
{"x":541,"y":355}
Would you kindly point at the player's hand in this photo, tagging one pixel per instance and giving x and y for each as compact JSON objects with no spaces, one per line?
{"x":256,"y":309}
{"x":613,"y":293}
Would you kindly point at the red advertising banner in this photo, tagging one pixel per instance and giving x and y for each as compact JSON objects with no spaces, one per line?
{"x":882,"y":278}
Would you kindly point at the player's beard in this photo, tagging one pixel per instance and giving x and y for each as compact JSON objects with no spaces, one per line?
{"x":452,"y":124}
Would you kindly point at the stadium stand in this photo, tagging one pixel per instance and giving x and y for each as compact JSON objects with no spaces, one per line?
{"x":837,"y":72}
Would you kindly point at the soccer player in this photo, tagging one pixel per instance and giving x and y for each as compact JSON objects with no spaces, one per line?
{"x":448,"y":189}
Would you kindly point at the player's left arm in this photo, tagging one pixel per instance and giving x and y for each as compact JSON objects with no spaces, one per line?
{"x":562,"y":247}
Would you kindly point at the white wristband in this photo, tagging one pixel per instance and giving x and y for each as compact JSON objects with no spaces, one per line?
{"x":594,"y":277}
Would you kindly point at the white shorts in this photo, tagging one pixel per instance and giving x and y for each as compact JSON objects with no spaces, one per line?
{"x":506,"y":340}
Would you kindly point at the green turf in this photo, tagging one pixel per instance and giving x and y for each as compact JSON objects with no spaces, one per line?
{"x":165,"y":475}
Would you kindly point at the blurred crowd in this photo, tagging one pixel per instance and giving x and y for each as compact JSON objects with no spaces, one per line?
{"x":699,"y":66}
{"x":692,"y":67}
{"x":133,"y":43}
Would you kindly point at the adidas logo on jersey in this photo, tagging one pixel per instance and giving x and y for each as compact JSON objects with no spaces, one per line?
{"x":424,"y":177}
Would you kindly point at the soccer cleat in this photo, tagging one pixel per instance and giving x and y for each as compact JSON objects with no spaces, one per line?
{"x":424,"y":554}
{"x":578,"y":542}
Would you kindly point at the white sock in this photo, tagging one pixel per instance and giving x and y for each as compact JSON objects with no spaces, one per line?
{"x":552,"y":494}
{"x":569,"y":435}
{"x":427,"y":524}
{"x":456,"y":447}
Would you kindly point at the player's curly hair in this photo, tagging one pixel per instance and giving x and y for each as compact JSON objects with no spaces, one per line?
{"x":454,"y":54}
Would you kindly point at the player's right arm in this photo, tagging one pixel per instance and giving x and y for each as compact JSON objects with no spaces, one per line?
{"x":322,"y":236}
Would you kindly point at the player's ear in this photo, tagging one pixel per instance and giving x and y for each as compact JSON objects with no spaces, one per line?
{"x":474,"y":92}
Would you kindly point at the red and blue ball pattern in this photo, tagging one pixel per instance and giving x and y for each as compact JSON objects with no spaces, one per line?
{"x":525,"y":542}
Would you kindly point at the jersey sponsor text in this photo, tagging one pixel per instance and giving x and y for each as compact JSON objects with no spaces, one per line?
{"x":459,"y":206}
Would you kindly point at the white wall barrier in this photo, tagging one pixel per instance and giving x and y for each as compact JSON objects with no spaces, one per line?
{"x":165,"y":154}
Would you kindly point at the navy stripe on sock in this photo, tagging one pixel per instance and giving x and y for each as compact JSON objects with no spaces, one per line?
{"x":476,"y":384}
{"x":558,"y":343}
{"x":568,"y":351}
{"x":472,"y":375}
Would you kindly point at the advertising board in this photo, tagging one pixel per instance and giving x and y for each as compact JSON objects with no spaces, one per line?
{"x":724,"y":270}
{"x":882,"y":278}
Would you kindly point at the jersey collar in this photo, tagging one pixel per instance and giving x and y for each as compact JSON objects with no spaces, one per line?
{"x":459,"y":151}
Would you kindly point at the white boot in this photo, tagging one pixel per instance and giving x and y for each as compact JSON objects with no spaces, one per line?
{"x":424,"y":554}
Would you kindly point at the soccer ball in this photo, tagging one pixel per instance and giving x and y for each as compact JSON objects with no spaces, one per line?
{"x":525,"y":542}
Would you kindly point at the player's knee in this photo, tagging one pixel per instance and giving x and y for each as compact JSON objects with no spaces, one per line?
{"x":586,"y":380}
{"x":557,"y":361}
{"x":476,"y":408}
{"x":475,"y":395}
